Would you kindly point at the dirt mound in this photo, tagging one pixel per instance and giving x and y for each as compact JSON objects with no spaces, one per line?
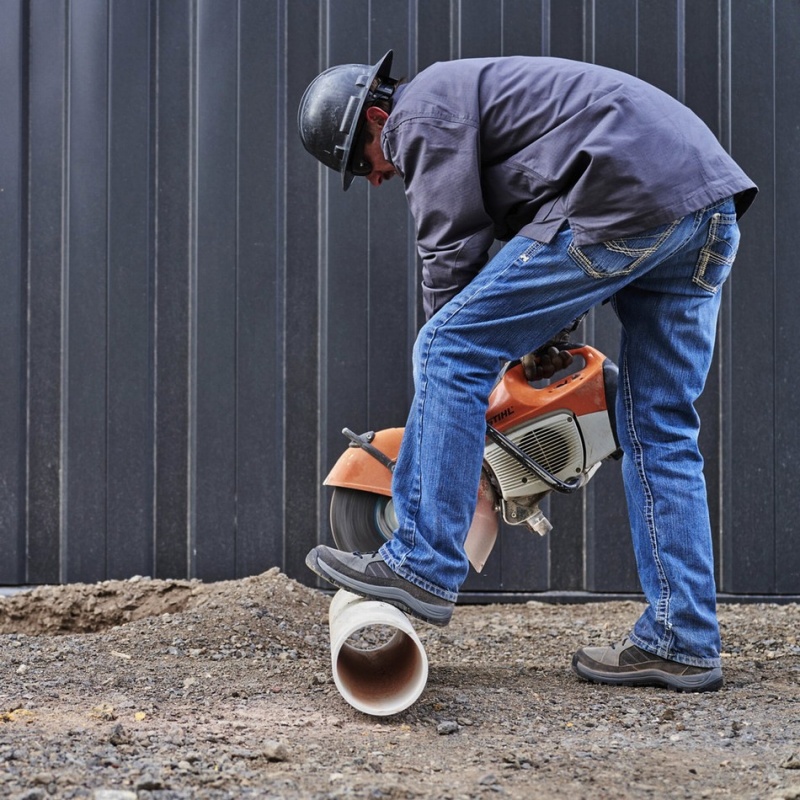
{"x":90,"y":608}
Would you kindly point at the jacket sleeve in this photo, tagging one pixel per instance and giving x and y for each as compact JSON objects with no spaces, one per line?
{"x":439,"y":162}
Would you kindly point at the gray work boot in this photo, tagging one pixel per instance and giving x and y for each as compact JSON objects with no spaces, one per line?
{"x":367,"y":575}
{"x":626,"y":664}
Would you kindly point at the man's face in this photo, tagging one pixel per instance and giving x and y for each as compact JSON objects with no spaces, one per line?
{"x":382,"y":170}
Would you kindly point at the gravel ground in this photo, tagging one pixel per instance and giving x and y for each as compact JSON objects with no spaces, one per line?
{"x":180,"y":689}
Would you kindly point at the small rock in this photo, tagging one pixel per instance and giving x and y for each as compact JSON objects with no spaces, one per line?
{"x":118,"y":735}
{"x":447,"y":727}
{"x":149,"y":783}
{"x":241,"y":752}
{"x":33,"y":794}
{"x":104,"y":712}
{"x":275,"y":751}
{"x":113,"y":794}
{"x":793,"y":762}
{"x":792,"y":793}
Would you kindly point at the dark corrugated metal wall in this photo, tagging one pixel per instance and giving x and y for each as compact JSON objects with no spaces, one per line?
{"x":191,"y":310}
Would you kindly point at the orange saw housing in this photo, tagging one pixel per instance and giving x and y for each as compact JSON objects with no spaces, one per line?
{"x":513,"y":401}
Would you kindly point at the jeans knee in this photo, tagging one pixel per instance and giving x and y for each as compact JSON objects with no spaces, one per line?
{"x":421,"y":350}
{"x":444,"y":349}
{"x":434,"y":346}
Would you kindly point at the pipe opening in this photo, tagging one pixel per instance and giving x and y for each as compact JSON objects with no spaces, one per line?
{"x":388,"y":673}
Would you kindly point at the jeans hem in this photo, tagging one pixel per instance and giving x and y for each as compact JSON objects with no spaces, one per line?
{"x":680,"y":658}
{"x":398,"y":568}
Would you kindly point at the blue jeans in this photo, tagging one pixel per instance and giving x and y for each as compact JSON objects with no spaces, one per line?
{"x":665,"y":288}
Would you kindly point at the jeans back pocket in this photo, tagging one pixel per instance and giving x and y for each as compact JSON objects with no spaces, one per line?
{"x":619,"y":257}
{"x":719,"y":251}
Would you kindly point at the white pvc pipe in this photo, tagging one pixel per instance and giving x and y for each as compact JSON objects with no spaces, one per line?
{"x":380,"y":681}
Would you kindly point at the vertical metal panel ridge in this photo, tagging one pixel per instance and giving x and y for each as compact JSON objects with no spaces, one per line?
{"x":191,"y":411}
{"x":13,"y":256}
{"x":215,"y":302}
{"x":455,"y":29}
{"x":726,"y":473}
{"x":681,"y":49}
{"x":305,"y":30}
{"x":173,"y":148}
{"x":285,"y":124}
{"x":725,"y":61}
{"x":321,"y":388}
{"x":260,"y":316}
{"x":64,"y":431}
{"x":45,"y":211}
{"x":777,"y":289}
{"x":787,"y":331}
{"x":321,"y":221}
{"x":237,"y":345}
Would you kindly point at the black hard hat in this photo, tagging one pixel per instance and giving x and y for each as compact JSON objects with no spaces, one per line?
{"x":330,"y":111}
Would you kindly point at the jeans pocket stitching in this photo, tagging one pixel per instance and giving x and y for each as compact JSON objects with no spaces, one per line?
{"x":709,"y":255}
{"x":619,"y":246}
{"x":641,"y":254}
{"x":582,"y":260}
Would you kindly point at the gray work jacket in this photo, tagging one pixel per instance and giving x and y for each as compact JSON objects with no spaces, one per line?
{"x":491,"y":148}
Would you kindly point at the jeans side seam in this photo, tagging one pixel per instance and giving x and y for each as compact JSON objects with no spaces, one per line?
{"x":663,"y":602}
{"x":414,"y":496}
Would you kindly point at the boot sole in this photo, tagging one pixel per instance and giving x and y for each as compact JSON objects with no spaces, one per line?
{"x":709,"y":681}
{"x":394,"y":595}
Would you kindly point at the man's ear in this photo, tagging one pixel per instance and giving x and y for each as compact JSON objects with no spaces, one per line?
{"x":377,"y":116}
